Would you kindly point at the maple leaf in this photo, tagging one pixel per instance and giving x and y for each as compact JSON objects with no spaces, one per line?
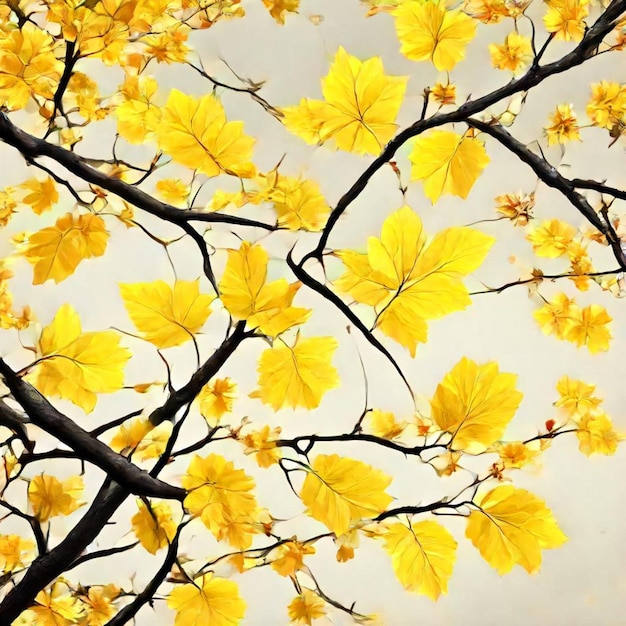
{"x":98,"y":604}
{"x":167,"y":317}
{"x":589,"y":326}
{"x":56,"y":608}
{"x":422,"y":556}
{"x":154,"y":526}
{"x":195,"y":133}
{"x":137,"y":114}
{"x":297,"y":375}
{"x":359,"y":109}
{"x":551,"y":238}
{"x":209,"y":600}
{"x":56,"y":251}
{"x":511,"y":527}
{"x":78,"y":365}
{"x":141,"y":438}
{"x":339,"y":491}
{"x":216,"y":399}
{"x":447,"y":163}
{"x":474,"y":403}
{"x":427,"y":31}
{"x":221,"y":496}
{"x":247,"y":296}
{"x":408,"y":281}
{"x":43,"y":194}
{"x":50,"y":497}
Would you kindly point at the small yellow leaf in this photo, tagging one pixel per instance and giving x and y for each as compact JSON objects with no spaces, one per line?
{"x":209,"y":600}
{"x":166,"y":317}
{"x":216,"y":399}
{"x":43,"y":194}
{"x":247,"y":296}
{"x":50,"y":497}
{"x":597,"y":435}
{"x":222,"y":496}
{"x":427,"y":31}
{"x":474,"y":403}
{"x":422,"y":556}
{"x":78,"y":365}
{"x":154,"y":526}
{"x":359,"y":109}
{"x":299,"y":375}
{"x":195,"y":133}
{"x":56,"y":251}
{"x":511,"y":527}
{"x":306,"y":607}
{"x":447,"y":163}
{"x":278,"y":8}
{"x":340,"y":491}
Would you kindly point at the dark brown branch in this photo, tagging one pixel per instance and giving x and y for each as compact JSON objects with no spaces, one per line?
{"x":33,"y":522}
{"x":535,"y":75}
{"x":594,"y":185}
{"x":11,"y":419}
{"x":130,"y":610}
{"x":47,"y":417}
{"x":99,"y":554}
{"x":550,"y":176}
{"x":31,"y":148}
{"x":201,"y":377}
{"x":416,"y":510}
{"x":538,"y":279}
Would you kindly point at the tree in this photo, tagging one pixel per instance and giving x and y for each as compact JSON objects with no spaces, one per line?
{"x":276,"y":329}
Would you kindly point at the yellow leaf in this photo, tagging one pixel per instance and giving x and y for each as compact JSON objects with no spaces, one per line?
{"x":474,"y":403}
{"x":427,"y":31}
{"x":78,"y":365}
{"x":246,"y":295}
{"x":576,"y":397}
{"x":166,"y":317}
{"x":383,"y":424}
{"x":98,"y":603}
{"x":43,"y":194}
{"x":137,"y":114}
{"x":141,"y":438}
{"x":422,"y":556}
{"x":359,"y":109}
{"x":15,"y":552}
{"x":511,"y":527}
{"x":195,"y":133}
{"x":278,"y":8}
{"x":306,"y":607}
{"x":50,"y":497}
{"x":408,"y":281}
{"x":222,"y":496}
{"x":56,"y":607}
{"x":262,"y":443}
{"x":589,"y":326}
{"x":208,"y":601}
{"x":552,"y":238}
{"x":299,"y":375}
{"x":216,"y":398}
{"x":154,"y":526}
{"x":289,"y":557}
{"x":447,"y":163}
{"x":340,"y":491}
{"x":57,"y":250}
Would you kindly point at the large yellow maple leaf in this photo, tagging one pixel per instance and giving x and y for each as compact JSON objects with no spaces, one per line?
{"x":474,"y":403}
{"x":339,"y":491}
{"x":511,"y":527}
{"x":166,"y":317}
{"x":247,"y":296}
{"x":222,"y":496}
{"x":427,"y":31}
{"x":56,"y":251}
{"x":297,"y":375}
{"x":447,"y":163}
{"x":422,"y":556}
{"x":195,"y":133}
{"x":207,"y":601}
{"x":76,"y":366}
{"x":359,"y":108}
{"x":408,"y":281}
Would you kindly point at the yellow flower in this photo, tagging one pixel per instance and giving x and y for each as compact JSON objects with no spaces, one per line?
{"x":563,"y":125}
{"x":554,"y":317}
{"x":589,"y":327}
{"x":566,"y":18}
{"x":516,"y":454}
{"x":290,"y":557}
{"x":516,"y":206}
{"x":262,"y":444}
{"x":581,"y":266}
{"x":514,"y":54}
{"x":576,"y":396}
{"x":15,"y":551}
{"x":597,"y":435}
{"x":607,"y":106}
{"x":50,"y":497}
{"x":7,"y":207}
{"x":306,"y":607}
{"x":552,"y":238}
{"x":444,"y":94}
